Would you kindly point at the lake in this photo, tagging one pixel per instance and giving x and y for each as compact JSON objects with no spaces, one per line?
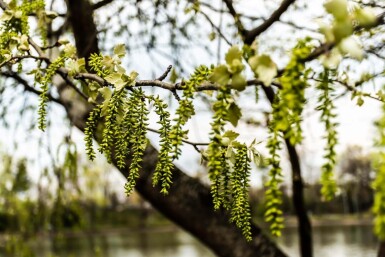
{"x":351,"y":241}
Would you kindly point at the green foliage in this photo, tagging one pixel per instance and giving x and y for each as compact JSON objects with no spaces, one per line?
{"x":97,"y":66}
{"x":231,"y":72}
{"x":264,"y":68}
{"x":89,"y":131}
{"x":114,"y":105}
{"x":379,"y":181}
{"x":121,"y":107}
{"x":287,"y":111}
{"x":186,"y":108}
{"x":326,"y":106}
{"x":214,"y":150}
{"x":240,"y":208}
{"x":45,"y":81}
{"x":163,"y":169}
{"x":273,"y":213}
{"x":286,"y":121}
{"x":137,"y":139}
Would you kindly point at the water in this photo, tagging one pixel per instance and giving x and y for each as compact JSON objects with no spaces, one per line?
{"x":350,"y":241}
{"x":342,"y":241}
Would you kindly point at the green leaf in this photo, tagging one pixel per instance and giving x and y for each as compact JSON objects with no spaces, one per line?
{"x":365,"y":17}
{"x":338,"y":8}
{"x":327,"y":31}
{"x":106,"y":93}
{"x":174,"y":76}
{"x":220,"y":75}
{"x":360,"y":101}
{"x":118,"y":80}
{"x":238,"y":82}
{"x":69,"y":50}
{"x":231,"y":135}
{"x":264,"y":68}
{"x":75,"y":67}
{"x":332,"y":59}
{"x":120,"y":50}
{"x":350,"y":46}
{"x":342,"y":30}
{"x":234,"y":114}
{"x":234,"y":53}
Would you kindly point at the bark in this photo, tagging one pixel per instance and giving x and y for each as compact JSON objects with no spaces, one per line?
{"x":189,"y":202}
{"x":304,"y":225}
{"x":381,"y":249}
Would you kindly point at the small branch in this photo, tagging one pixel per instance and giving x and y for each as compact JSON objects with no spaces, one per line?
{"x":20,"y":57}
{"x":194,"y":144}
{"x":237,"y":18}
{"x":354,"y":88}
{"x":218,"y":30}
{"x":165,"y":74}
{"x":27,"y":87}
{"x":3,"y":5}
{"x":252,"y":34}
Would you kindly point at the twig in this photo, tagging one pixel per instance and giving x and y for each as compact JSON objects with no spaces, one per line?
{"x":164,"y":75}
{"x":237,"y":18}
{"x":27,"y":87}
{"x":219,"y":31}
{"x":194,"y":144}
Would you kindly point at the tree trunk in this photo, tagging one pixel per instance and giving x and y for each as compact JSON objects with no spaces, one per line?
{"x":381,"y":249}
{"x":189,"y":203}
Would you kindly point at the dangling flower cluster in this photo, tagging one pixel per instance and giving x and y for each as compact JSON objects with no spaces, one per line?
{"x":163,"y":169}
{"x":240,"y":207}
{"x":186,"y":108}
{"x":286,"y":120}
{"x":215,"y":148}
{"x":379,"y":181}
{"x":91,"y":126}
{"x":110,"y":130}
{"x":137,"y":137}
{"x":45,"y":80}
{"x":326,"y":106}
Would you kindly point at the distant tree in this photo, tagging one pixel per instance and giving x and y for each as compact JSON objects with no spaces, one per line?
{"x":109,"y":104}
{"x":356,"y":178}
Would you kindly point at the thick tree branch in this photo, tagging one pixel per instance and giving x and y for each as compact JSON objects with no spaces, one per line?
{"x":252,"y":34}
{"x":101,"y":4}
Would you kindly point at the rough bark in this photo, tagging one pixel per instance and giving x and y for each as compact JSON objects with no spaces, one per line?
{"x":189,"y":202}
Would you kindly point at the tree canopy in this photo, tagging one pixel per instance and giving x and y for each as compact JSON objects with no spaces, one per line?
{"x":65,"y":53}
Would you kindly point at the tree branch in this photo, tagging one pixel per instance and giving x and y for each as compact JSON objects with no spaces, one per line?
{"x":237,"y":19}
{"x":27,"y":87}
{"x":252,"y":34}
{"x":101,"y":4}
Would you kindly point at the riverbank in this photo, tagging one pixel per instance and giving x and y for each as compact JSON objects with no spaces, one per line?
{"x":327,"y":220}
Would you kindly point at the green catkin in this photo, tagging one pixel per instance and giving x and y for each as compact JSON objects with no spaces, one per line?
{"x":89,"y":131}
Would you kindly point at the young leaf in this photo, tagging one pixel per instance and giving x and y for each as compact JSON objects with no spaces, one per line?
{"x":234,"y":114}
{"x":234,"y":53}
{"x":120,"y":50}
